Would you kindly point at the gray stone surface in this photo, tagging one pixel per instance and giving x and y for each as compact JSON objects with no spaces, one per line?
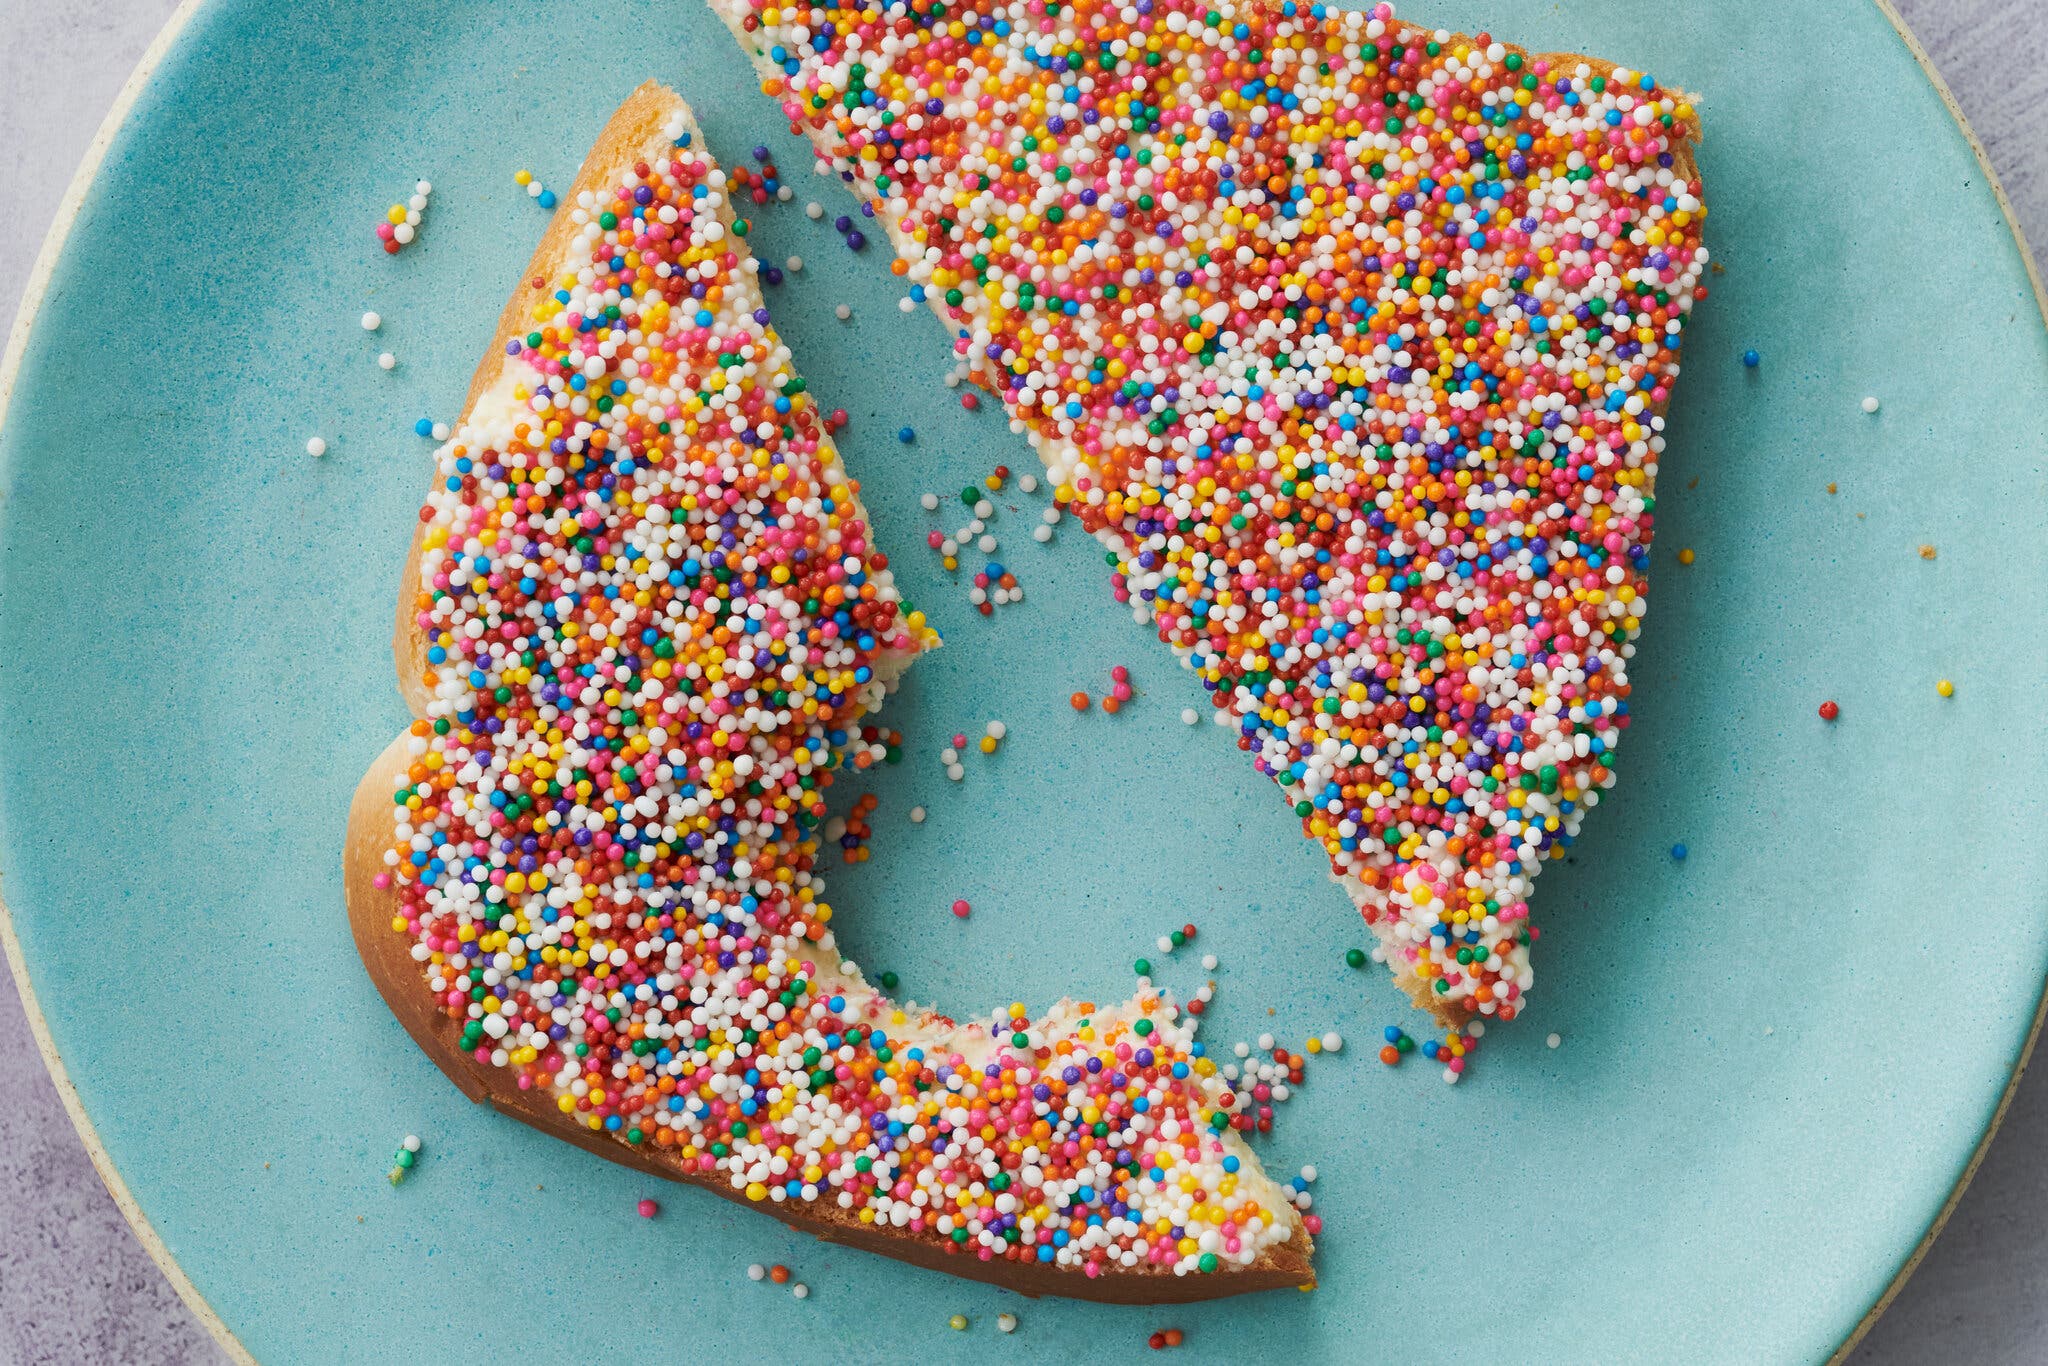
{"x":75,"y":1286}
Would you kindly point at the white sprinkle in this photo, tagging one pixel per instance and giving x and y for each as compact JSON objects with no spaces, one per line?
{"x":1265,"y":1043}
{"x":316,"y":446}
{"x":956,"y":772}
{"x":1869,"y":403}
{"x":1308,"y":1173}
{"x":1450,"y":1077}
{"x":795,"y":264}
{"x":949,"y":755}
{"x":1041,"y":534}
{"x":1007,"y":1322}
{"x":423,"y":188}
{"x":984,"y":509}
{"x":842,"y":312}
{"x":784,"y":194}
{"x":917,"y":815}
{"x":1189,"y":716}
{"x":757,"y":1272}
{"x":987,"y":545}
{"x":1553,"y":1040}
{"x":1243,"y":1050}
{"x":800,"y":1291}
{"x":1208,"y":962}
{"x":1333,"y":1042}
{"x":371,"y":322}
{"x":1477,"y":1029}
{"x":412,"y":1143}
{"x":385,"y":360}
{"x":440,"y":431}
{"x":930,"y":502}
{"x":1165,"y":943}
{"x":907,"y":305}
{"x":402,"y":233}
{"x":1051,"y":516}
{"x":997,"y":730}
{"x":814,"y":209}
{"x":1028,"y":483}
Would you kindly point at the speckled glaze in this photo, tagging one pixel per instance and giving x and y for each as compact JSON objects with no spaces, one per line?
{"x":1739,"y":1143}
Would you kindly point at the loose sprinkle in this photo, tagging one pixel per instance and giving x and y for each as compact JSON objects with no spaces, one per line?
{"x":1870,"y":403}
{"x":1169,"y":1337}
{"x":1678,"y":852}
{"x":535,"y":191}
{"x":1553,"y":1040}
{"x":401,"y":224}
{"x":1829,"y":710}
{"x":404,"y":1159}
{"x":371,"y":322}
{"x":316,"y":446}
{"x":779,"y":1274}
{"x":1685,"y":556}
{"x":958,"y":1323}
{"x":385,"y":360}
{"x":1006,"y":1323}
{"x":1928,"y":552}
{"x":1945,"y":688}
{"x":757,"y":1272}
{"x":648,"y":1209}
{"x":1751,"y":359}
{"x":800,"y":1291}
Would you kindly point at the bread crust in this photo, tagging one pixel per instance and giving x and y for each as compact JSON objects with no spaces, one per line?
{"x":633,"y":131}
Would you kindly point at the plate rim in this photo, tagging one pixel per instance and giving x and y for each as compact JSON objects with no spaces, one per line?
{"x":37,"y":287}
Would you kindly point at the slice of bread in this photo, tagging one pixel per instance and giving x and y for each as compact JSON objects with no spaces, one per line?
{"x":1352,"y":341}
{"x":663,"y":989}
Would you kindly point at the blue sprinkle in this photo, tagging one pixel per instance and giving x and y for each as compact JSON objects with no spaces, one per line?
{"x":425,"y":426}
{"x":1678,"y":852}
{"x":905,"y":435}
{"x":1751,"y":358}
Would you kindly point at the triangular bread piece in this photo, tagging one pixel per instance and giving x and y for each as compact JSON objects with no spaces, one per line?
{"x":1352,"y":340}
{"x":641,"y":620}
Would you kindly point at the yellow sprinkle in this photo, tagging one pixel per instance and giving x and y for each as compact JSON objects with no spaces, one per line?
{"x":1945,"y":688}
{"x":1685,"y":556}
{"x":522,"y":177}
{"x":1927,"y":552}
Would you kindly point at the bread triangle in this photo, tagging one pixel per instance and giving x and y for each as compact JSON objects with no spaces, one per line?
{"x":1352,"y":340}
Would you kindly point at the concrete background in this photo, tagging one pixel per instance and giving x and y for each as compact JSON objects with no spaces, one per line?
{"x":75,"y":1286}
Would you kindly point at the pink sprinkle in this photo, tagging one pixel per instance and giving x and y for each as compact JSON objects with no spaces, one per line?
{"x":961,"y":908}
{"x":648,"y":1209}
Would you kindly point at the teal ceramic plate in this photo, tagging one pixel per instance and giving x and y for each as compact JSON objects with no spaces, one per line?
{"x":1778,"y":1056}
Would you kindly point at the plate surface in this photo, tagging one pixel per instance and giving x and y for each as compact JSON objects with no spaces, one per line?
{"x":1778,"y":1055}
